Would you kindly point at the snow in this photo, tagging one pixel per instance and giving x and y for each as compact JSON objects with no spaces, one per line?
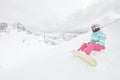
{"x":26,"y":57}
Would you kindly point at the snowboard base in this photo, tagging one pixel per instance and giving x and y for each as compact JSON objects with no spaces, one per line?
{"x":86,"y":58}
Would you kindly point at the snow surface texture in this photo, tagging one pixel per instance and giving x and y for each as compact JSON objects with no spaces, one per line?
{"x":24,"y":56}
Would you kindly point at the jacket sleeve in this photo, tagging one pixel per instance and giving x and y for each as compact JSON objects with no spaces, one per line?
{"x":94,"y":39}
{"x":99,"y":38}
{"x":102,"y":38}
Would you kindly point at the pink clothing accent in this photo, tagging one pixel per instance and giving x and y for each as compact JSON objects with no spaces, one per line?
{"x":88,"y":48}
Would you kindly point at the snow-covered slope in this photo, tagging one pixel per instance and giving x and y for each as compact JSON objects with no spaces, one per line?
{"x":108,"y":61}
{"x":33,"y":60}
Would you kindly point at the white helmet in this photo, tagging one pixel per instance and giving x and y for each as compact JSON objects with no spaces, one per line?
{"x":95,"y":27}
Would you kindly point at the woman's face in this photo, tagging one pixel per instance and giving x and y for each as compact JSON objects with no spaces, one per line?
{"x":95,"y":28}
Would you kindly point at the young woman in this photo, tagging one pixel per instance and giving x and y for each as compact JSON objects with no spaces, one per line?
{"x":97,"y":42}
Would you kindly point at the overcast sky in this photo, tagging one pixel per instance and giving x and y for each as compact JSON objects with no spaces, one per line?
{"x":59,"y":15}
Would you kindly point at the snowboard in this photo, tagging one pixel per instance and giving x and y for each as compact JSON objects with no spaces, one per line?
{"x":86,"y":58}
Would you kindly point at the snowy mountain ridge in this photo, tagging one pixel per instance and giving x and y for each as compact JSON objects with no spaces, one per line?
{"x":48,"y":38}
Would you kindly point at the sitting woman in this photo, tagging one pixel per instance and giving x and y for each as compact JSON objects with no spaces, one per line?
{"x":97,"y":42}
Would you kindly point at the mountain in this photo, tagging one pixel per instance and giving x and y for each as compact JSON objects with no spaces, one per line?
{"x":48,"y":38}
{"x":33,"y":60}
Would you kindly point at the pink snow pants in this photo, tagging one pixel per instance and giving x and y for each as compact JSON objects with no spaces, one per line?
{"x":88,"y":48}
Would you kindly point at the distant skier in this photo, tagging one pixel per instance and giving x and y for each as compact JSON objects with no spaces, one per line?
{"x":97,"y":42}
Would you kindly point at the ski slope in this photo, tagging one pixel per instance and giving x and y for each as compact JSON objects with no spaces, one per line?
{"x":34,"y":60}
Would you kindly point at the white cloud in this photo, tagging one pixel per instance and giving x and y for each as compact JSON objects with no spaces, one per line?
{"x":58,"y":15}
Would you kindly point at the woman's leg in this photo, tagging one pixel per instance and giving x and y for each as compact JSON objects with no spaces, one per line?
{"x":83,"y":46}
{"x":89,"y":48}
{"x":93,"y":46}
{"x":98,"y":47}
